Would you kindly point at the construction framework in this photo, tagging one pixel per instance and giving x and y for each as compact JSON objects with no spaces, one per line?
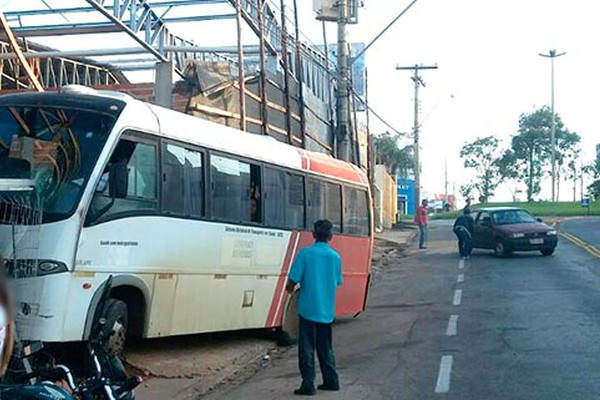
{"x":147,"y":42}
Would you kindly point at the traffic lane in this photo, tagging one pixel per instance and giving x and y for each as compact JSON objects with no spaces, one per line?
{"x":529,"y":327}
{"x":392,"y":350}
{"x":586,"y":229}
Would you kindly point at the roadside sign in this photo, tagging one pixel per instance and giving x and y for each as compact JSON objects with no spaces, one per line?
{"x":585,"y":203}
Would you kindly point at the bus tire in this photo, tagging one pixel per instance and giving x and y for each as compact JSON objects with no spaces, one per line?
{"x":115,"y":328}
{"x":288,"y":334}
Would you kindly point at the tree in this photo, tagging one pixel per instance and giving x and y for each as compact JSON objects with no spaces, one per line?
{"x":593,"y":170}
{"x":483,"y":155}
{"x":466,"y":191}
{"x":532,"y":147}
{"x":567,"y":151}
{"x":397,"y":160}
{"x":509,"y":170}
{"x":573,"y":174}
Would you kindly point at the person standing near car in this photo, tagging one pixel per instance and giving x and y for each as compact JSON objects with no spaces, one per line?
{"x":463,"y":229}
{"x":421,"y":220}
{"x":318,"y":271}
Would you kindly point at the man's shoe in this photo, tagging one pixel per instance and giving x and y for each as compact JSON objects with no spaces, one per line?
{"x":304,"y":391}
{"x":331,"y":388}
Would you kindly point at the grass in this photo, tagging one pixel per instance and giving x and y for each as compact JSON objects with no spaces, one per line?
{"x":539,"y":209}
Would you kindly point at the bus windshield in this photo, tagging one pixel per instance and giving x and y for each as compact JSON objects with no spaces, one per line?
{"x":54,"y":147}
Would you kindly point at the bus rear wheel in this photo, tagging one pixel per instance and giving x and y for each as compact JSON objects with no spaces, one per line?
{"x":287,"y":335}
{"x":115,"y":328}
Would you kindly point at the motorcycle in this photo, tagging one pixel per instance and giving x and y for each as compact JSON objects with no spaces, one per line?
{"x":106,"y":378}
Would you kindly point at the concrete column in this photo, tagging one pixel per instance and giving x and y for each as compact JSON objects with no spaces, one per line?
{"x":163,"y":84}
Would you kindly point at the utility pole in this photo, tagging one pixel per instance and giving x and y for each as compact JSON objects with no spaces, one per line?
{"x":418,"y":81}
{"x":343,"y":84}
{"x":552,"y":55}
{"x":446,"y":180}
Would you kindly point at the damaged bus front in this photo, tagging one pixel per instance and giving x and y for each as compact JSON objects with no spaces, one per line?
{"x":50,"y":144}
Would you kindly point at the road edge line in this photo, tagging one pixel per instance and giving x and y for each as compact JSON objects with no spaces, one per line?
{"x":593,"y":250}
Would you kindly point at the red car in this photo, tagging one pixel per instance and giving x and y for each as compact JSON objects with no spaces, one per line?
{"x":510,"y":229}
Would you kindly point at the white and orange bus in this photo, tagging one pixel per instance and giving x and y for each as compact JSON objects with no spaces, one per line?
{"x":198,"y":223}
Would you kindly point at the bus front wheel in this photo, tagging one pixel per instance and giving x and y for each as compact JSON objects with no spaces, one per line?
{"x":115,"y":328}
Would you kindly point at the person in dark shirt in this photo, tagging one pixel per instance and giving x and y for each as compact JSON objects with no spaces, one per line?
{"x":463,"y":229}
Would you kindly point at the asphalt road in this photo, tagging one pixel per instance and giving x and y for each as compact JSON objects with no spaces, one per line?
{"x":525,"y":327}
{"x":587,"y":229}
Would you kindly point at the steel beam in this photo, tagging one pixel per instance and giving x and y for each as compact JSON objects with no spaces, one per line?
{"x":132,"y":33}
{"x":251,"y":49}
{"x":71,"y":10}
{"x":103,"y":27}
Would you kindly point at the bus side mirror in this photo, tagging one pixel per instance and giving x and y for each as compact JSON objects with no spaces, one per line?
{"x":118,"y":181}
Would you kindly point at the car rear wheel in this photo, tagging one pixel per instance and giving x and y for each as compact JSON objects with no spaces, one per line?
{"x":500,"y":249}
{"x":548,"y":252}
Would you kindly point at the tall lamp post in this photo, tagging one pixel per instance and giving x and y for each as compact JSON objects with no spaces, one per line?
{"x":552,"y":55}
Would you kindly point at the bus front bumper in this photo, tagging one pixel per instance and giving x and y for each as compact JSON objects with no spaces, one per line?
{"x":40,"y":305}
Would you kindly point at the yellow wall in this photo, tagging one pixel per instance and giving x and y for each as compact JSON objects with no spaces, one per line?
{"x":386,"y":200}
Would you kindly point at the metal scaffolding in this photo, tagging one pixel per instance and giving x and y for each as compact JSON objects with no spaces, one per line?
{"x":106,"y":40}
{"x":147,"y":24}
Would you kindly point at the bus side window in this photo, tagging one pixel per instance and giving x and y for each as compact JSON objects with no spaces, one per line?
{"x":356,"y":212}
{"x":295,"y":201}
{"x":236,"y":191}
{"x":183,"y":181}
{"x":142,"y":188}
{"x":325,"y":202}
{"x":275,"y":189}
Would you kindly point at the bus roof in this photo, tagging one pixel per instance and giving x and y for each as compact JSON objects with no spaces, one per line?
{"x":264,"y":148}
{"x":179,"y":126}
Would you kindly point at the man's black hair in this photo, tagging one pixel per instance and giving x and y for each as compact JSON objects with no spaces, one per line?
{"x":467,"y":210}
{"x":322,"y":230}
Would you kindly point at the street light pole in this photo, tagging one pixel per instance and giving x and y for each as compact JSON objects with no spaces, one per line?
{"x":552,"y":55}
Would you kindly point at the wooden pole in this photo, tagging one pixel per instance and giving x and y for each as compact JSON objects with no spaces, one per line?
{"x":12,"y":41}
{"x":264,"y":105}
{"x":241,"y":74}
{"x":286,"y":73}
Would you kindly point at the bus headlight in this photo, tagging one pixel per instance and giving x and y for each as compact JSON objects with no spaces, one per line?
{"x":32,"y":268}
{"x":47,"y":267}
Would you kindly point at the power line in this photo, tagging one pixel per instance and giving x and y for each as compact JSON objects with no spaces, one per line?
{"x":377,"y":115}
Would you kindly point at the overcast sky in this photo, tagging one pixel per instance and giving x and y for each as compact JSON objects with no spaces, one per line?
{"x":489,"y":68}
{"x":489,"y":72}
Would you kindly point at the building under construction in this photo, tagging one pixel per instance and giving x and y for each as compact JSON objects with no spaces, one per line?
{"x":267,"y":80}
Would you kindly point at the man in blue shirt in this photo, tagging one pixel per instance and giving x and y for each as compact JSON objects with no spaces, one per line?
{"x":318,"y":271}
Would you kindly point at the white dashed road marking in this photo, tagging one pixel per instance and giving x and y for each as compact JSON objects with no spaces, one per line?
{"x":461,"y":278}
{"x":461,"y":263}
{"x":443,"y":381}
{"x":457,"y":297}
{"x":452,"y":322}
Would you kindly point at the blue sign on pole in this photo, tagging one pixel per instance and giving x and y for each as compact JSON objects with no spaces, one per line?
{"x":585,"y":203}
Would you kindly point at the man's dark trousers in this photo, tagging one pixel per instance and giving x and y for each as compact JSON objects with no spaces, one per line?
{"x":314,"y":335}
{"x":464,"y":241}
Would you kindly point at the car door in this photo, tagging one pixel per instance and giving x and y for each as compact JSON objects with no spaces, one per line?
{"x":482,"y":231}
